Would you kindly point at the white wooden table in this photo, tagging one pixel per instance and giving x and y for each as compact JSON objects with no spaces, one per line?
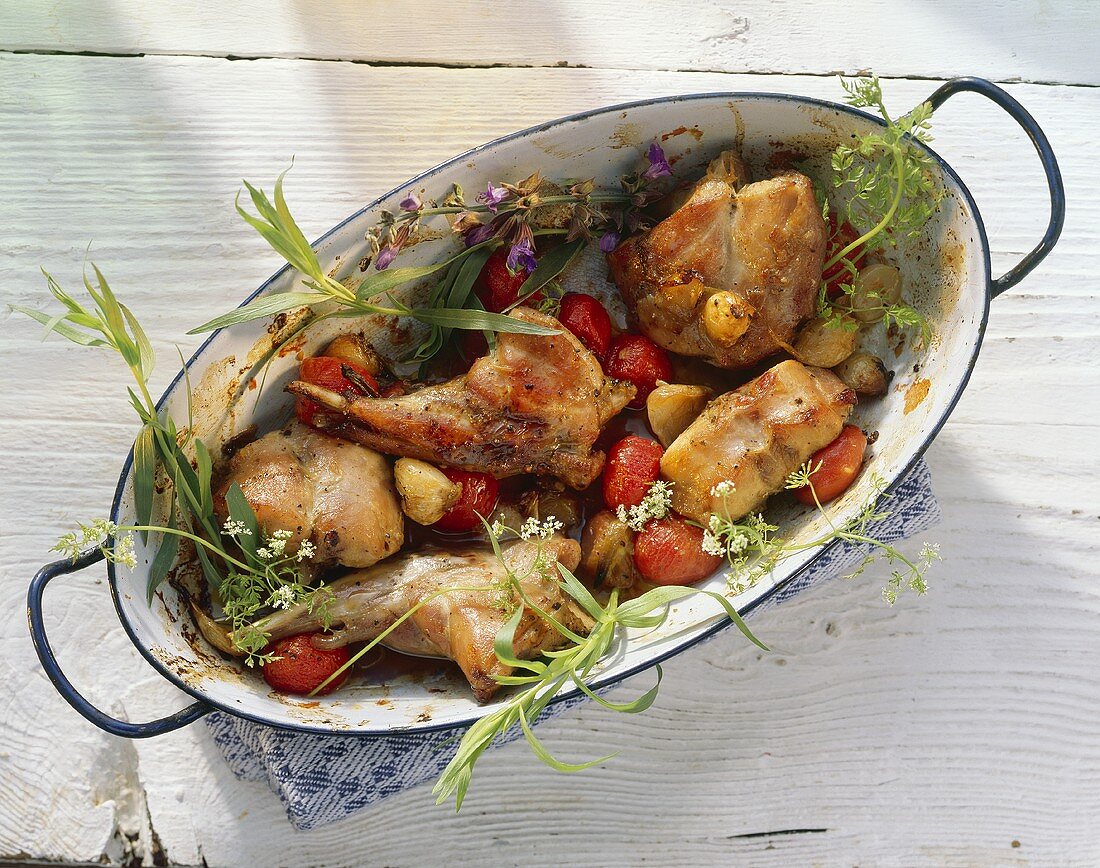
{"x":960,"y":728}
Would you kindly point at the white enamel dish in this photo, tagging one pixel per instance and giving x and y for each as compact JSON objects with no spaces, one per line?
{"x":947,"y":273}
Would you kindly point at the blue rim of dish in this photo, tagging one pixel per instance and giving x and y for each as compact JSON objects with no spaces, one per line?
{"x":723,"y":622}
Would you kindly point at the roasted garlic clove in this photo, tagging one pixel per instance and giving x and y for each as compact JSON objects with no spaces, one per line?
{"x":355,"y":349}
{"x":671,"y":407}
{"x":426,"y":492}
{"x":607,"y":552}
{"x":551,"y":501}
{"x":823,"y":343}
{"x":726,"y":316}
{"x":216,"y":633}
{"x":875,"y":287}
{"x":864,"y":374}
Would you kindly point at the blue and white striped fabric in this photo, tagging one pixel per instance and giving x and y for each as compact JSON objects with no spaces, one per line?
{"x":321,"y":779}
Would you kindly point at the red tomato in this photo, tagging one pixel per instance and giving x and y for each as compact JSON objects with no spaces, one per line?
{"x":840,"y":463}
{"x":637,"y":359}
{"x":669,"y":551}
{"x":479,"y":496}
{"x":301,"y":667}
{"x":497,"y":287}
{"x":328,"y":373}
{"x":585,"y":317}
{"x":840,"y":236}
{"x":472,"y":345}
{"x":633,"y":465}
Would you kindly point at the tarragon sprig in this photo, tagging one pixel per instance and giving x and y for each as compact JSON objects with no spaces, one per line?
{"x":160,"y":447}
{"x":541,"y":680}
{"x":372,"y":295}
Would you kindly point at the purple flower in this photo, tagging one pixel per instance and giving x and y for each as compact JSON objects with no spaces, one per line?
{"x":478,"y":234}
{"x":385,"y":257}
{"x":521,"y":257}
{"x":410,"y":203}
{"x":493,"y":196}
{"x":658,"y":165}
{"x":609,"y":241}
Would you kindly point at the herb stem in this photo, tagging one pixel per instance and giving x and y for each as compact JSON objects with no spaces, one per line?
{"x":187,"y":535}
{"x":899,"y":166}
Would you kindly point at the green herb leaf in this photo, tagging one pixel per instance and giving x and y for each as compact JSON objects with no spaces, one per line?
{"x":59,"y":326}
{"x":550,"y":265}
{"x":381,"y":282}
{"x":204,"y":470}
{"x":267,"y":305}
{"x":640,"y":704}
{"x":145,"y":470}
{"x":579,"y":592}
{"x":478,"y":320}
{"x":543,"y":754}
{"x":504,"y":645}
{"x":241,"y":510}
{"x":165,"y":557}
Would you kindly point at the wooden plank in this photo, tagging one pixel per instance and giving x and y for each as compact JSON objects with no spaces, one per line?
{"x":936,"y":732}
{"x":1003,"y":39}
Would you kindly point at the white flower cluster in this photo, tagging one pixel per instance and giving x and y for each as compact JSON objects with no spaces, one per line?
{"x":124,"y":551}
{"x":723,"y":539}
{"x":276,"y":545}
{"x":234,"y":528}
{"x":499,"y":528}
{"x":306,"y":550}
{"x":533,"y":528}
{"x":284,"y":597}
{"x":73,"y":544}
{"x":712,"y":545}
{"x":723,"y":488}
{"x":656,"y":504}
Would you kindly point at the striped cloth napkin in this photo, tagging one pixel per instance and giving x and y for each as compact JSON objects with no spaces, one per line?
{"x":322,"y":778}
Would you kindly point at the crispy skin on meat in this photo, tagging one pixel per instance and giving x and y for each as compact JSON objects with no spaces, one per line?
{"x":535,"y":404}
{"x":336,"y":494}
{"x":754,"y":437}
{"x":461,"y":625}
{"x":728,"y":254}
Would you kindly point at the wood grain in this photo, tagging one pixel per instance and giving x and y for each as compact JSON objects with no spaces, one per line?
{"x":936,"y":732}
{"x":1030,"y":40}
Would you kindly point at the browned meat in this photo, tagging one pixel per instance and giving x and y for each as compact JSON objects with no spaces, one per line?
{"x":336,"y":494}
{"x":733,"y":272}
{"x":461,"y":624}
{"x":754,"y":437}
{"x":535,"y":404}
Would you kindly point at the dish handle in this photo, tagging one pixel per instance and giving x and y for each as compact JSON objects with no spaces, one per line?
{"x":1046,"y":156}
{"x":49,"y":662}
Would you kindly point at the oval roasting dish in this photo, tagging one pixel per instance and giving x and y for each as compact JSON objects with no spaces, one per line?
{"x":947,"y":271}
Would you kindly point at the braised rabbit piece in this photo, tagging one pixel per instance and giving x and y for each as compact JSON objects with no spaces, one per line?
{"x":535,"y":404}
{"x":460,"y":624}
{"x":338,"y":495}
{"x":753,"y":438}
{"x":733,"y":272}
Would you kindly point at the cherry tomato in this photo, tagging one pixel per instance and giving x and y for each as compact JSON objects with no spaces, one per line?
{"x":637,"y":359}
{"x":840,"y":463}
{"x":633,"y":465}
{"x":479,"y":496}
{"x":669,"y":551}
{"x":301,"y":667}
{"x":497,"y":287}
{"x":328,"y":373}
{"x":585,"y":317}
{"x":472,"y":345}
{"x":840,"y":236}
